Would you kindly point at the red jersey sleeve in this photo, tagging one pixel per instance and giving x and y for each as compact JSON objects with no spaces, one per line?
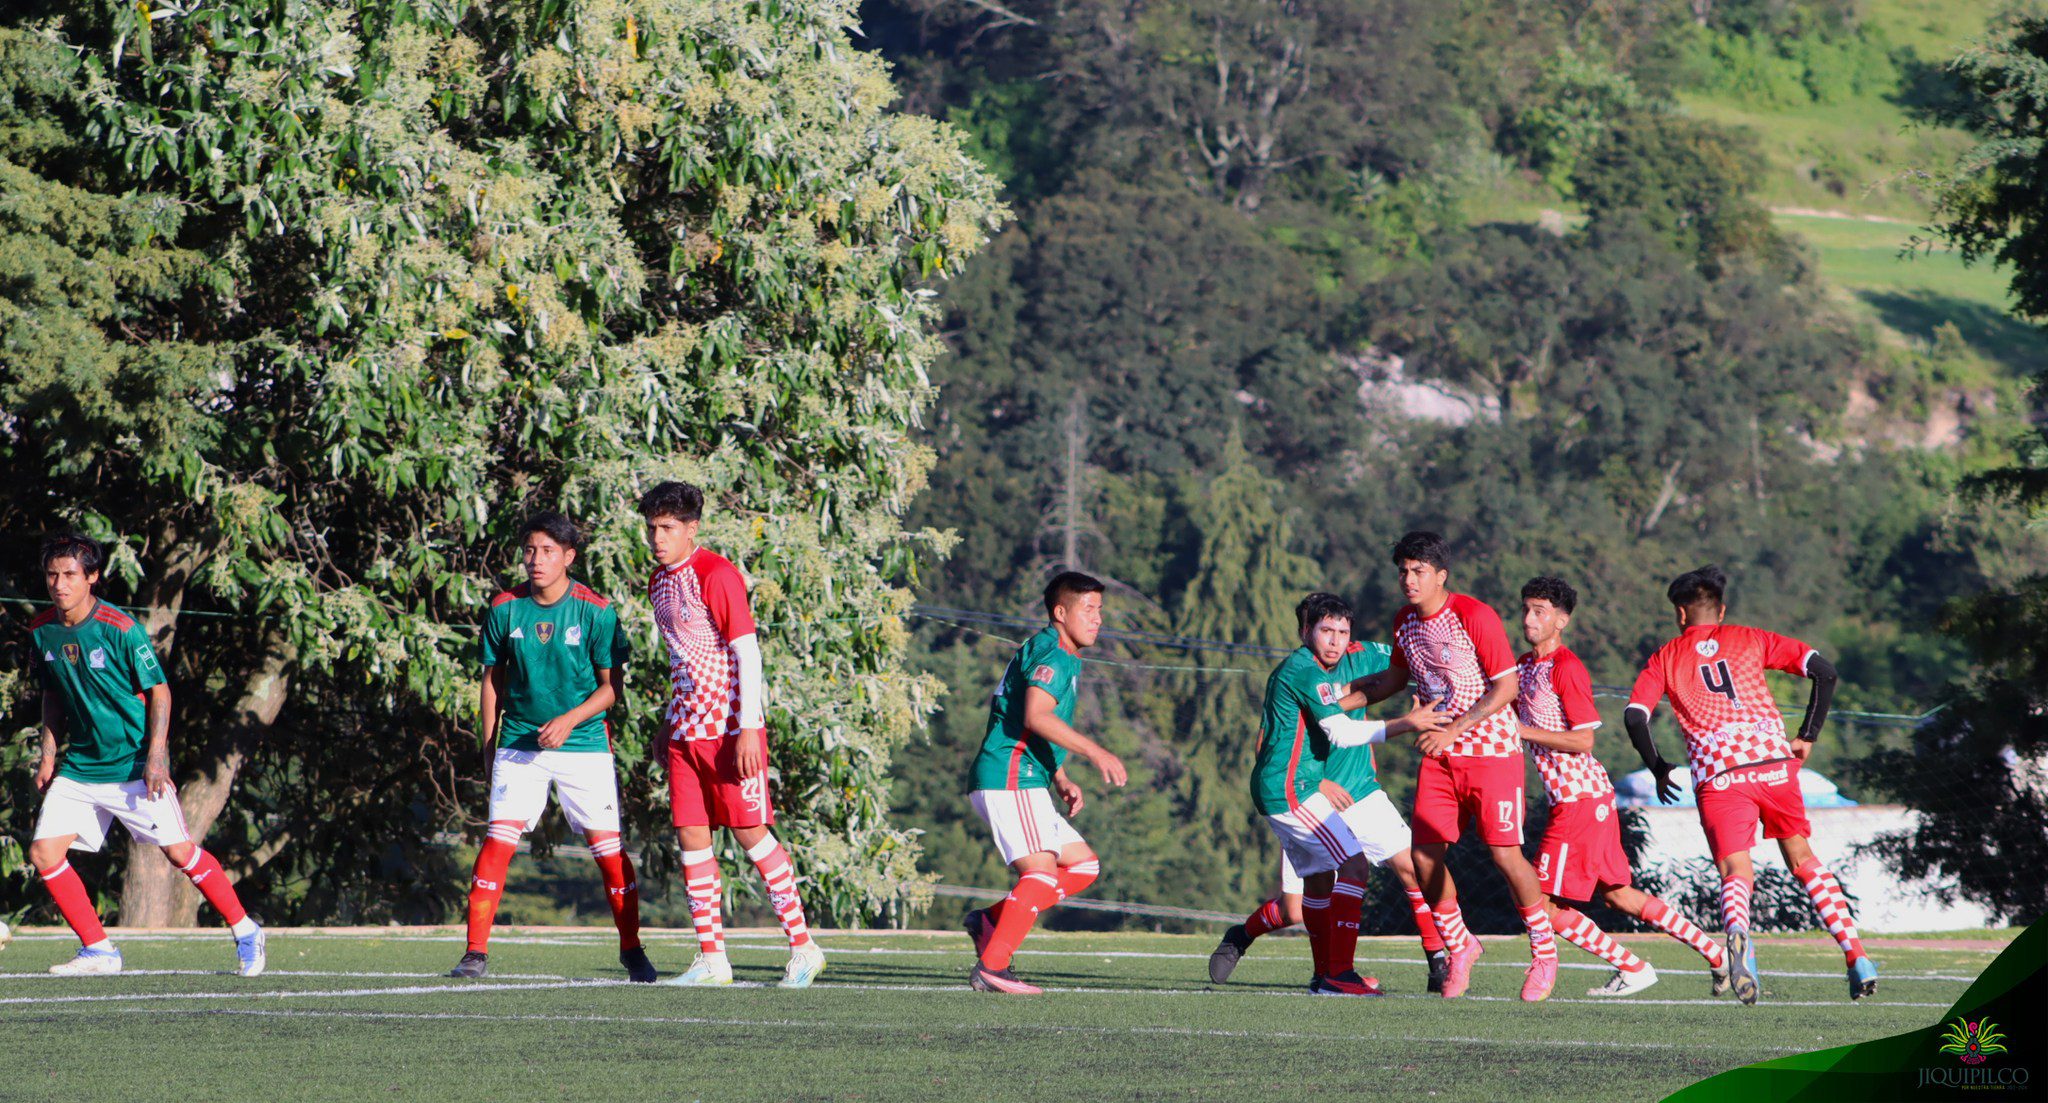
{"x":725,"y":601}
{"x":1574,"y":692}
{"x":1489,"y":637}
{"x":1649,"y":687}
{"x":1783,"y":652}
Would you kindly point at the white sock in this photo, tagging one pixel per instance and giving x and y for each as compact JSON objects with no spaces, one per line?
{"x":103,"y":944}
{"x":243,"y":929}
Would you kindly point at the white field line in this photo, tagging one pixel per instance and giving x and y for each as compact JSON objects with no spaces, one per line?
{"x":331,"y":994}
{"x":5,"y":976}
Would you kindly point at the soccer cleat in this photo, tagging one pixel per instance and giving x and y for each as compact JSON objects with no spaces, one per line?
{"x":1224,"y":958}
{"x":1742,"y":966}
{"x":1439,"y":971}
{"x":980,"y":928}
{"x":250,"y":958}
{"x":985,"y":979}
{"x":90,"y":963}
{"x":1721,"y":982}
{"x":708,"y":971}
{"x":1458,"y":973}
{"x":639,"y":970}
{"x":1862,"y":978}
{"x":1625,"y":983}
{"x":805,"y":963}
{"x":472,"y":965}
{"x":1539,"y":980}
{"x":1346,"y":983}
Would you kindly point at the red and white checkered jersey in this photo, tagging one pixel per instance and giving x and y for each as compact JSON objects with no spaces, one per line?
{"x":1454,"y":655}
{"x":700,"y":605}
{"x":1556,"y":695}
{"x":1714,"y":675}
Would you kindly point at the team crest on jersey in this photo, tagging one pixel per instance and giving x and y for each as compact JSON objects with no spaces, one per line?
{"x":1446,"y":656}
{"x":145,"y":656}
{"x":1707,"y":648}
{"x":1600,"y":813}
{"x":1326,"y":693}
{"x":1042,"y":674}
{"x":98,"y":659}
{"x":72,"y":653}
{"x":544,"y":631}
{"x":573,"y":636}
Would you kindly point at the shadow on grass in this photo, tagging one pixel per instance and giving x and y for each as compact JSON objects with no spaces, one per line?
{"x":1996,"y":334}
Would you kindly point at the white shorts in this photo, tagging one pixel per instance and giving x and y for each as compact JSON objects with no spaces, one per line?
{"x":1313,"y":837}
{"x":87,"y":809}
{"x":586,"y":782}
{"x":1024,"y":821}
{"x":1374,"y":822}
{"x":1290,"y":881}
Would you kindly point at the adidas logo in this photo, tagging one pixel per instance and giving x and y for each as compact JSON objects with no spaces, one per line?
{"x":518,"y":634}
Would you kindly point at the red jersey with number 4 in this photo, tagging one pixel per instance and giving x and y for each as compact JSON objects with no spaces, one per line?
{"x":700,"y":605}
{"x":1556,"y":695}
{"x":1454,"y":655}
{"x":1714,"y":675}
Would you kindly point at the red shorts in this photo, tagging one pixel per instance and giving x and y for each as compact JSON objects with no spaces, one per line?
{"x":1735,"y":800}
{"x":705,"y":788}
{"x":1582,"y":851}
{"x":1452,"y":788}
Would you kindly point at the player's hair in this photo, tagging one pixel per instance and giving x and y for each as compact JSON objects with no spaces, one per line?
{"x":1706,"y":585}
{"x":673,"y":499}
{"x":1067,"y":585}
{"x":555,"y":527}
{"x":1550,"y":588}
{"x":1426,"y":547}
{"x":1311,"y":610}
{"x":74,"y":545}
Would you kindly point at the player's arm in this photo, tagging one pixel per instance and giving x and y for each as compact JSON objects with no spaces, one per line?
{"x":156,"y":768}
{"x":556,"y":732}
{"x":1041,"y":720}
{"x":1069,"y":791}
{"x":53,"y":729}
{"x":1576,"y":741}
{"x":1574,"y":688}
{"x":1343,"y":731}
{"x":1636,"y":718}
{"x":1793,"y":657}
{"x":725,"y":602}
{"x":1374,"y":688}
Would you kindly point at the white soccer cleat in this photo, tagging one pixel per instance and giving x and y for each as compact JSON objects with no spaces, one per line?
{"x":90,"y":963}
{"x":708,"y":971}
{"x":6,"y":936}
{"x":250,"y":953}
{"x":1625,"y":983}
{"x":805,"y":963}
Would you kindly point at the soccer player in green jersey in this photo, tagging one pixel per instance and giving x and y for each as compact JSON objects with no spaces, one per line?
{"x":105,"y":699}
{"x":1021,"y":763}
{"x":1332,"y":829}
{"x":554,"y":661}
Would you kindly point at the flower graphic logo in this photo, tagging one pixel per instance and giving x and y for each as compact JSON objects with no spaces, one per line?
{"x":1972,"y":1042}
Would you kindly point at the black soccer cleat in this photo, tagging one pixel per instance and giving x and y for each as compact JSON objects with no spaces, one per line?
{"x":471,"y":966}
{"x":639,"y":970}
{"x":1223,"y":960}
{"x":1439,"y":971}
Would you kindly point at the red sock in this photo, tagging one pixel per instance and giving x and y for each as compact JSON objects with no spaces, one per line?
{"x":773,"y":863}
{"x":75,"y":903}
{"x":212,"y":882}
{"x":487,"y":883}
{"x":1425,"y":923}
{"x":621,"y":888}
{"x":1347,"y":907}
{"x":700,"y":881}
{"x":1266,"y":920}
{"x":1035,"y":892}
{"x":1078,"y":876}
{"x":1315,"y":915}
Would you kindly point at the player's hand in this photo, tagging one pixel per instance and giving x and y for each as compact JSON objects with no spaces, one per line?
{"x":1338,"y":796}
{"x":554,"y":733}
{"x":156,"y":773}
{"x":751,"y":756}
{"x":1437,"y":729}
{"x":1111,"y":768}
{"x":1069,"y":791}
{"x":1801,"y":748}
{"x":1667,"y":789}
{"x":46,"y":770}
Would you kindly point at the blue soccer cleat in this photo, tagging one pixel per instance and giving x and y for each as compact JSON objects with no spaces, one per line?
{"x":1742,"y":965}
{"x":1862,"y":978}
{"x":249,"y":953}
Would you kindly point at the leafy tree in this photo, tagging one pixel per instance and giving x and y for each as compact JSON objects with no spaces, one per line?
{"x":1993,"y":201}
{"x":1687,"y":178}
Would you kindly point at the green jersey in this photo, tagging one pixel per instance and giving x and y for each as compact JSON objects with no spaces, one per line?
{"x":552,"y":655}
{"x":102,"y":669}
{"x":1010,"y":757}
{"x":1294,"y":755}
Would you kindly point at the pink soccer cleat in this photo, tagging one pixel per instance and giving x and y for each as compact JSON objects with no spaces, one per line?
{"x":985,"y":979}
{"x":1460,"y":977}
{"x":1541,"y":978}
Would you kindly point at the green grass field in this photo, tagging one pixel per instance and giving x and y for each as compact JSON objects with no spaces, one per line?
{"x":1128,"y":1016}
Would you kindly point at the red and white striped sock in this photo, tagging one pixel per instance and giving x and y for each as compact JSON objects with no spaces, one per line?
{"x":621,"y":887}
{"x":487,"y":883}
{"x":1573,"y":926}
{"x":1542,"y":939}
{"x":204,"y":871}
{"x":1833,"y":906}
{"x":1315,"y":916}
{"x":1035,"y":892}
{"x":75,"y":904}
{"x":773,"y":862}
{"x":1347,"y":908}
{"x":1735,"y":903}
{"x":1425,"y":922}
{"x":1078,"y":876}
{"x":700,"y":882}
{"x":1450,"y":922}
{"x":1665,"y":918}
{"x":1269,"y":918}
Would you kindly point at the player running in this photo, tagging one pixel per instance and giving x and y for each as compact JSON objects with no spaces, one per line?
{"x":554,"y":663}
{"x":1332,"y":839}
{"x":1020,"y":765}
{"x":1743,"y":769}
{"x":718,"y":736}
{"x":104,"y":697}
{"x":1581,"y":858}
{"x":1455,"y":647}
{"x":1356,"y":796}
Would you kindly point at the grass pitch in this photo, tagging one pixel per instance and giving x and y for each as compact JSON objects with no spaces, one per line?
{"x":362,"y":1016}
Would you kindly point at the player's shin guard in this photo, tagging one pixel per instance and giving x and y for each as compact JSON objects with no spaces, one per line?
{"x":1347,"y":908}
{"x":1425,"y":922}
{"x":1315,"y":916}
{"x":75,"y":903}
{"x":1665,"y":918}
{"x":204,"y":871}
{"x":1542,"y":939}
{"x":1035,"y":892}
{"x":1450,"y":922}
{"x":1575,"y":928}
{"x":487,"y":883}
{"x":1833,"y":906}
{"x":773,"y":862}
{"x":1078,"y":876}
{"x":1268,"y":918}
{"x":621,"y":888}
{"x":700,"y":881}
{"x":1735,"y":903}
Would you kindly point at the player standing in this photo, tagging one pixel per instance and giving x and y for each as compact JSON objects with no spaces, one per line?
{"x":104,"y":697}
{"x":718,"y":735}
{"x":1455,"y":647}
{"x":554,"y":662}
{"x":1021,"y":763}
{"x":1744,"y":771}
{"x":1581,"y":857}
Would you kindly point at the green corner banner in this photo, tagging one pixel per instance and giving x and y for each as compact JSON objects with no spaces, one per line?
{"x":1992,"y":1045}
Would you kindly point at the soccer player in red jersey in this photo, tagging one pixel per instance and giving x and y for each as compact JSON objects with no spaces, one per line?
{"x":1744,"y":770}
{"x":717,"y":731}
{"x":1455,"y":647}
{"x":1581,"y":858}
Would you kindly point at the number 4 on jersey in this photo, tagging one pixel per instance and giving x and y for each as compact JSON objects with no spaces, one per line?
{"x":1717,"y":678}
